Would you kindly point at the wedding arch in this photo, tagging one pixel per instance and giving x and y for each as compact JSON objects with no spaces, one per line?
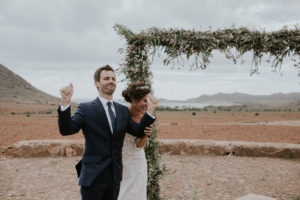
{"x":176,"y":43}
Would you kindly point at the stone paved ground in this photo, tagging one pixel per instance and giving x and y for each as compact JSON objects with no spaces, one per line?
{"x":188,"y":177}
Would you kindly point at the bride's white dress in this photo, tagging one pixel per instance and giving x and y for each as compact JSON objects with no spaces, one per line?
{"x":134,"y":181}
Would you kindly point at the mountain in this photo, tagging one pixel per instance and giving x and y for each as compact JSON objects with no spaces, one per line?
{"x":162,"y":100}
{"x":223,"y":99}
{"x":14,"y":88}
{"x":241,"y":98}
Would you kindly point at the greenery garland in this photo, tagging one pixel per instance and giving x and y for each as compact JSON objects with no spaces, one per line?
{"x":179,"y":42}
{"x":176,"y":43}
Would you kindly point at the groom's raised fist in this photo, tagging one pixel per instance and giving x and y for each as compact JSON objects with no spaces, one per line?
{"x":66,"y":94}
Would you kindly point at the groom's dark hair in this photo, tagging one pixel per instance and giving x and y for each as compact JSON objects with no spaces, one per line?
{"x":99,"y":70}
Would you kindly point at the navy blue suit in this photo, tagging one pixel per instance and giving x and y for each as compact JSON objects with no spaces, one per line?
{"x":103,"y":149}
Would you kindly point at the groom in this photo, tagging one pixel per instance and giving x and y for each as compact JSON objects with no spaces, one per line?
{"x":104,"y":124}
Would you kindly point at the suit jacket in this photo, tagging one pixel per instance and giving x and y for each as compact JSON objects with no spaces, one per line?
{"x":102,"y":148}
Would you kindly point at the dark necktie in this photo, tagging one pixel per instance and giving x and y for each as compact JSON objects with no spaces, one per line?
{"x":111,"y":115}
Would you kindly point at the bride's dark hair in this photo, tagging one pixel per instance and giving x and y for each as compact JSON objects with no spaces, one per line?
{"x":136,"y":90}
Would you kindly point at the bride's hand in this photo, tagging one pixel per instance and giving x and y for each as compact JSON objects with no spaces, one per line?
{"x":152,"y":104}
{"x":148,"y":130}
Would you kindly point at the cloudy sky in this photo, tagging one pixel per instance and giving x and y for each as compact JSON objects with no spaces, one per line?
{"x":54,"y":42}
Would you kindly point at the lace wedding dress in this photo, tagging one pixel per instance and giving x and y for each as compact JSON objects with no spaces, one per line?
{"x":134,"y":181}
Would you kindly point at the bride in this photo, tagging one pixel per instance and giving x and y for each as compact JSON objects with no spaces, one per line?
{"x":134,"y":181}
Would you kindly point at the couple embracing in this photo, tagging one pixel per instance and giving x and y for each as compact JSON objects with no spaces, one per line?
{"x":106,"y":125}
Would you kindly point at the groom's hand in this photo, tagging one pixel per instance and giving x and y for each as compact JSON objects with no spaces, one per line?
{"x":66,"y":94}
{"x":152,"y":104}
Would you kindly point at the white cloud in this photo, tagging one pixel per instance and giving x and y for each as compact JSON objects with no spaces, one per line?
{"x":51,"y":43}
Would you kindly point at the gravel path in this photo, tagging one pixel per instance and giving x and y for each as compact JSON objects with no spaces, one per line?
{"x":188,"y":177}
{"x":230,"y":177}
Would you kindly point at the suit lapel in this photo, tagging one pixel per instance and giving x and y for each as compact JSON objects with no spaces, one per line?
{"x":118,"y":116}
{"x":100,"y":112}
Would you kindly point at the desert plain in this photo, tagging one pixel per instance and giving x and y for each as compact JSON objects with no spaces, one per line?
{"x":187,"y":177}
{"x":33,"y":121}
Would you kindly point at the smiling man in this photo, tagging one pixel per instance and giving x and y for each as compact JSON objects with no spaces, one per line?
{"x":104,"y":124}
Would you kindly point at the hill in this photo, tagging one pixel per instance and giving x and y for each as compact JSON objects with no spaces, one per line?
{"x":240,"y":102}
{"x":14,"y":88}
{"x":241,"y":98}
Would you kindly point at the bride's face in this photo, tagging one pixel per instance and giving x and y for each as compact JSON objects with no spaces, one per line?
{"x":142,"y":104}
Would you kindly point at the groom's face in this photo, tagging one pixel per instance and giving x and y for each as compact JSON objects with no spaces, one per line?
{"x":107,"y":82}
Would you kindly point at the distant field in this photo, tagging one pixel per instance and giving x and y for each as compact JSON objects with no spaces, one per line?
{"x":279,"y":127}
{"x":27,"y":122}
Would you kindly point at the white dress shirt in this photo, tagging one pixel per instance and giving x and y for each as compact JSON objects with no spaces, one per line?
{"x":104,"y":103}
